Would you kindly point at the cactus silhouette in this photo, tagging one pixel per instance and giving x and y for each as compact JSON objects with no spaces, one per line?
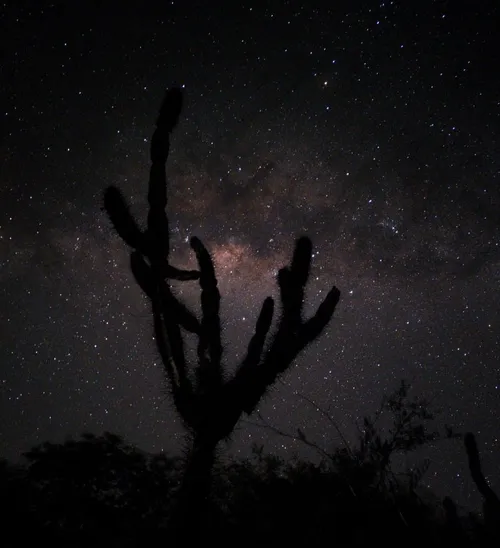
{"x":491,"y":502}
{"x":212,"y":406}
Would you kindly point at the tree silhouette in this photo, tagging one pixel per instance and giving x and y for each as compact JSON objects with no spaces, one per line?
{"x":211,"y":408}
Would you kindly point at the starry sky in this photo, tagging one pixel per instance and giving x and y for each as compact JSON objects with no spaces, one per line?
{"x":372,"y":127}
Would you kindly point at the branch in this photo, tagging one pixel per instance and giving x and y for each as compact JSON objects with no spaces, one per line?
{"x":331,"y":420}
{"x":300,"y":437}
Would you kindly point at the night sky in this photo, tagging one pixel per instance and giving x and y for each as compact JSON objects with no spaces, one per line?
{"x":372,"y":127}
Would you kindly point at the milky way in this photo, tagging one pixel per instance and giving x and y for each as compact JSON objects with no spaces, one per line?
{"x":373,"y":131}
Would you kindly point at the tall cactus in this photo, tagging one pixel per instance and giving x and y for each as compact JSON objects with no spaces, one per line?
{"x":491,"y":502}
{"x":211,"y":408}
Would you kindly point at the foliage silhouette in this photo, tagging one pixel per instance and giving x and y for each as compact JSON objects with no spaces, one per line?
{"x":211,"y":408}
{"x":369,"y":464}
{"x":94,"y":491}
{"x":100,"y":491}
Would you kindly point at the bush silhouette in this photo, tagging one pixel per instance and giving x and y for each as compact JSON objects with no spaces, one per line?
{"x":100,"y":491}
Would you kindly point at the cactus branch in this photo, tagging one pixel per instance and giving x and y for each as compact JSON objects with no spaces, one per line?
{"x":476,"y":471}
{"x":293,"y":333}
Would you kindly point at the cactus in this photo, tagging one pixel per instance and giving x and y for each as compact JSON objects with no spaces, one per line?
{"x":211,"y":408}
{"x":491,"y":502}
